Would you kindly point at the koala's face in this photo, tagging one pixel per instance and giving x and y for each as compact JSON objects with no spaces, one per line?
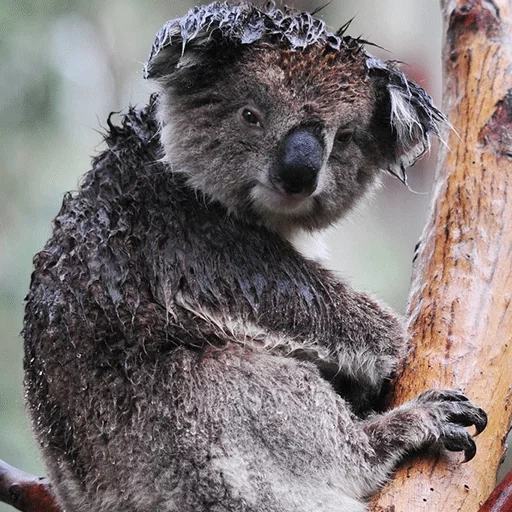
{"x":289,"y":137}
{"x":292,"y":137}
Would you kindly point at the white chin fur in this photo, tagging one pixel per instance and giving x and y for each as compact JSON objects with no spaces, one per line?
{"x":269,"y":201}
{"x":311,"y":245}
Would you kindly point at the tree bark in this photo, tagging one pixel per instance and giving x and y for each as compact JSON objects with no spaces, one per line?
{"x":459,"y":305}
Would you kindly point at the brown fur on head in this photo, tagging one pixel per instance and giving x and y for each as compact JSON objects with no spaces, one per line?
{"x":324,"y":73}
{"x":321,"y":87}
{"x":326,"y":116}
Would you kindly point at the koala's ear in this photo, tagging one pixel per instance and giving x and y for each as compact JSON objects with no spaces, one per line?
{"x":165,"y":58}
{"x":185,"y":42}
{"x":407,"y":115}
{"x":174,"y":47}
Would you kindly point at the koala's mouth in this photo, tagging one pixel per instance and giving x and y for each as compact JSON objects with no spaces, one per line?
{"x":270,"y":199}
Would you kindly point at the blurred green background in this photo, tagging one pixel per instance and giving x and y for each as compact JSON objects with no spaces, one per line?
{"x":65,"y":65}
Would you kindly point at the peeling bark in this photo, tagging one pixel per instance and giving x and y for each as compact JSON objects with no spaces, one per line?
{"x":459,"y":306}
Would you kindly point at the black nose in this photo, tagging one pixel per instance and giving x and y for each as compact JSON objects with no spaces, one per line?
{"x":299,"y":161}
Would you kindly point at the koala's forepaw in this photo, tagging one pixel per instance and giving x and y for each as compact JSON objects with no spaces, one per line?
{"x":451,"y":412}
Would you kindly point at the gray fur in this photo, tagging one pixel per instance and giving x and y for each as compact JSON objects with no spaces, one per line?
{"x":180,"y":354}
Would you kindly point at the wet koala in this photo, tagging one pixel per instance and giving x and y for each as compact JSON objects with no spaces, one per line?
{"x":181,"y":354}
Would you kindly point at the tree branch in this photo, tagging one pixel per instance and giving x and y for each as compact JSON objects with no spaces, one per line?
{"x":25,"y":492}
{"x":459,"y":306}
{"x":501,"y":498}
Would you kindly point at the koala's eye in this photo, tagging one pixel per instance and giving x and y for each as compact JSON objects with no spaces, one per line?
{"x":344,"y":136}
{"x":251,"y":117}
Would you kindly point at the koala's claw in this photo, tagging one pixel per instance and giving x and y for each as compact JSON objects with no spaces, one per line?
{"x":456,"y":439}
{"x":452,"y":412}
{"x":442,"y":395}
{"x":472,"y":415}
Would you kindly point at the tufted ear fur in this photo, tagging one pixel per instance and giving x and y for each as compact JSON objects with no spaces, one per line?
{"x":407,"y":113}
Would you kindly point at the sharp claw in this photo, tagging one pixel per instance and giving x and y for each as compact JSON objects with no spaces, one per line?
{"x":461,"y":397}
{"x":481,"y":423}
{"x":470,"y":415}
{"x":449,"y":395}
{"x":470,"y":452}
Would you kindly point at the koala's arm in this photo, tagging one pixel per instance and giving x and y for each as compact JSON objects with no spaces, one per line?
{"x":355,"y":340}
{"x":259,"y":281}
{"x":349,"y":335}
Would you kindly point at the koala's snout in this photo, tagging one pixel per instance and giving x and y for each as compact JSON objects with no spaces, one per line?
{"x":299,"y":160}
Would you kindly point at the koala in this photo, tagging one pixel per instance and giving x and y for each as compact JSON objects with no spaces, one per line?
{"x":181,"y":354}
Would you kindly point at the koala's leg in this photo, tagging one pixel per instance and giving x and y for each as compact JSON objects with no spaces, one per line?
{"x":436,"y":417}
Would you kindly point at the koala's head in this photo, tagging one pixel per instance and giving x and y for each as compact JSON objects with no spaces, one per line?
{"x":278,"y":119}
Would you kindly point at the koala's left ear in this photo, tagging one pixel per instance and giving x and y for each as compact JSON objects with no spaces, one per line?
{"x":407,"y":115}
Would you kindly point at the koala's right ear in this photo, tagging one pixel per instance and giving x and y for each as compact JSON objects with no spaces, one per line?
{"x":407,"y":117}
{"x":186,"y":42}
{"x":175,"y":48}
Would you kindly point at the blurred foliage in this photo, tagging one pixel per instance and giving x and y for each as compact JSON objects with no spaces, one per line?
{"x":65,"y":64}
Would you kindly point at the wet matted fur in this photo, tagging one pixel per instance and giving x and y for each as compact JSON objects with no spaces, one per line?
{"x":180,"y":353}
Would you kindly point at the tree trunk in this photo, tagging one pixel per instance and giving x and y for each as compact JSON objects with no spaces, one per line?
{"x":459,"y":305}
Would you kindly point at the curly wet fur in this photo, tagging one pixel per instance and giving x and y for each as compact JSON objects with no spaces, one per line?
{"x":180,"y":355}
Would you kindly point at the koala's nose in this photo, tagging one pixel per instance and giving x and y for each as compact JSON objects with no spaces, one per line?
{"x":300,"y":159}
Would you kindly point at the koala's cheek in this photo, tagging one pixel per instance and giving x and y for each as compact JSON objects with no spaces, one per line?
{"x":325,"y":180}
